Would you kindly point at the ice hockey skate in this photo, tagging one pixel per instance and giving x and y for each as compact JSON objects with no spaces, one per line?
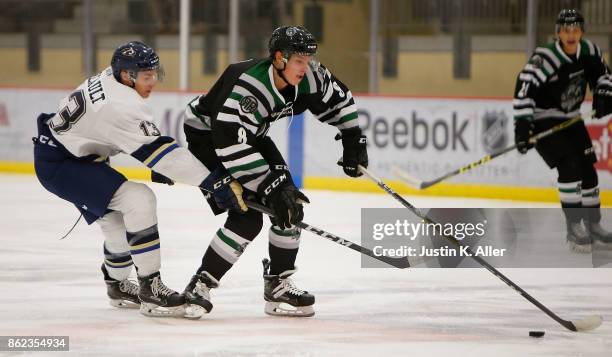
{"x":602,"y":238}
{"x":158,"y":300}
{"x":578,"y":238}
{"x":282,"y":297}
{"x":197,"y":293}
{"x":122,"y":293}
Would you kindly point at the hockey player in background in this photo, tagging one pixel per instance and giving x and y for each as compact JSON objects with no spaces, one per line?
{"x":227,"y":130}
{"x":104,"y":116}
{"x":550,"y":89}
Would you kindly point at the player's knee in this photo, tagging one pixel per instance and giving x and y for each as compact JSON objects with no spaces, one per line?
{"x":133,"y":197}
{"x":247,"y":225}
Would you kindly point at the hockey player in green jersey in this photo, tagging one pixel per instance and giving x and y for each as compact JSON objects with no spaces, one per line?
{"x":227,"y":129}
{"x":549,"y":90}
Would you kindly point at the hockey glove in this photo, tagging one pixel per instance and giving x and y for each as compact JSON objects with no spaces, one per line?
{"x":226,"y":191}
{"x":602,"y":97}
{"x":354,"y":152}
{"x":523,"y":130}
{"x":278,"y":193}
{"x":159,"y":178}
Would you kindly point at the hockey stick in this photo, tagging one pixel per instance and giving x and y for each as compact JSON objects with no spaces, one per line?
{"x":419,"y":184}
{"x":585,"y":324}
{"x":401,"y":263}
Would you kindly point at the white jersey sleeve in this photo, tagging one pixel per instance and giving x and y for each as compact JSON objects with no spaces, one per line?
{"x":104,"y":117}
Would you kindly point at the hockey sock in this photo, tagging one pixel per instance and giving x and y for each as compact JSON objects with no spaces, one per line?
{"x":117,"y":258}
{"x":118,"y":264}
{"x":283,"y":248}
{"x":230,"y":242}
{"x":144,"y":247}
{"x":137,"y":205}
{"x":569,"y":184}
{"x":590,"y":193}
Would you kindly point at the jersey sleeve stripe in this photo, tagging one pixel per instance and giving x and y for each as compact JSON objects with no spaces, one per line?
{"x":250,"y":166}
{"x":252,"y":181}
{"x":529,"y":68}
{"x":260,"y":87}
{"x":245,"y":89}
{"x":549,"y":55}
{"x":234,"y":118}
{"x":238,"y":154}
{"x":159,"y":154}
{"x":523,"y":112}
{"x":251,"y":118}
{"x":147,"y":152}
{"x":328,"y":92}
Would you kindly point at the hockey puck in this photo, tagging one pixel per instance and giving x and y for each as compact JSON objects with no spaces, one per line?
{"x":536,"y":333}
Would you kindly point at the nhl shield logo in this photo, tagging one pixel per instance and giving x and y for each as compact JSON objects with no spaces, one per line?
{"x":494,"y":134}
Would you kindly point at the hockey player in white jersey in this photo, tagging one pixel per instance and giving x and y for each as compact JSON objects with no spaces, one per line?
{"x":104,"y":116}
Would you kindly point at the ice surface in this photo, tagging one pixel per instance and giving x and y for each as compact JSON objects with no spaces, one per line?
{"x":53,"y":287}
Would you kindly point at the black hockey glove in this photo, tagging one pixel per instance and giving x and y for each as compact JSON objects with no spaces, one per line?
{"x":354,"y":152}
{"x":602,"y":97}
{"x":226,"y":191}
{"x":159,"y":178}
{"x":278,"y":193}
{"x":523,"y":130}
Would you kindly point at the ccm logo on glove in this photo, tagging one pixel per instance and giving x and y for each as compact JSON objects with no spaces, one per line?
{"x":280,"y":179}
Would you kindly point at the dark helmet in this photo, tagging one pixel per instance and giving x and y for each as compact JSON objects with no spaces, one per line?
{"x":292,"y":39}
{"x":134,"y":57}
{"x":569,"y":17}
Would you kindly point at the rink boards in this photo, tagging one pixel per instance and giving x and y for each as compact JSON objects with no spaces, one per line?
{"x":426,"y":137}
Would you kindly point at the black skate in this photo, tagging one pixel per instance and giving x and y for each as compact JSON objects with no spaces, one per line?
{"x":578,"y":238}
{"x":156,"y":299}
{"x":602,"y":238}
{"x":122,"y":293}
{"x":197,"y":293}
{"x":282,"y":297}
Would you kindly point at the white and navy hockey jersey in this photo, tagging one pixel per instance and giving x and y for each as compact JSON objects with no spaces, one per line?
{"x":103,"y":117}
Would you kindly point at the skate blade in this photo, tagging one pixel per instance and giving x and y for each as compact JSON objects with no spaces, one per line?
{"x":123,"y":304}
{"x":153,"y":310}
{"x":599,"y":244}
{"x":284,"y":309}
{"x":580,"y":248}
{"x":194,"y":312}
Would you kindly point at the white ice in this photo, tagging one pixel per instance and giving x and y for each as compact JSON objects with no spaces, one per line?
{"x":53,"y":287}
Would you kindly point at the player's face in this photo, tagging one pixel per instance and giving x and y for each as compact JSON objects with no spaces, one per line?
{"x":145,"y":82}
{"x":570,"y":37}
{"x":296,"y":68}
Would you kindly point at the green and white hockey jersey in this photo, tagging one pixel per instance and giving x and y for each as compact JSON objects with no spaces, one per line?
{"x":242,"y":104}
{"x":553,"y":84}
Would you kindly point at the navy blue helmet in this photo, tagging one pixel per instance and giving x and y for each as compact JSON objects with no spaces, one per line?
{"x":292,"y":39}
{"x":134,"y":57}
{"x":569,"y":17}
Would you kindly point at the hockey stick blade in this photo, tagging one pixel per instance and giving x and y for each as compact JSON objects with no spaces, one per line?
{"x":585,"y":324}
{"x":410,"y":180}
{"x":401,"y":262}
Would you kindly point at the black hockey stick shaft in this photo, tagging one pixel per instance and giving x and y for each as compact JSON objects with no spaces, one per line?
{"x":401,"y":263}
{"x":532,"y":140}
{"x":567,"y":324}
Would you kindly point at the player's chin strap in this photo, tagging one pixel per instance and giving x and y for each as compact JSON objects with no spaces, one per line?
{"x":280,"y":71}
